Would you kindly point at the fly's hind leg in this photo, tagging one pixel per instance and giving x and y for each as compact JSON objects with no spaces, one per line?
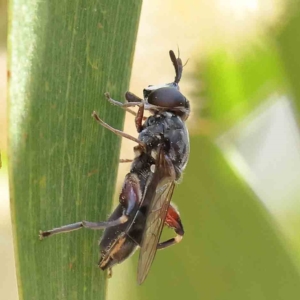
{"x":130,"y":198}
{"x":173,"y":221}
{"x":83,"y":224}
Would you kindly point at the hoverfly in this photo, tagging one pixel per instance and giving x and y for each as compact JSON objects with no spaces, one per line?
{"x":160,"y":158}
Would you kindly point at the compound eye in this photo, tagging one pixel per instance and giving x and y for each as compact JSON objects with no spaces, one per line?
{"x":167,"y":97}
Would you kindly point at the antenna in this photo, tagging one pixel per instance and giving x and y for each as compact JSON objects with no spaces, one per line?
{"x":177,"y":63}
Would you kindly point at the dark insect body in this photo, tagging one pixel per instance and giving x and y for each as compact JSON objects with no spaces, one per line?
{"x":160,"y":158}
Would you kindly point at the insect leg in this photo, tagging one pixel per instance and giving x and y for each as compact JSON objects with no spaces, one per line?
{"x":117,"y":132}
{"x":120,"y":104}
{"x":139,"y":118}
{"x":170,"y":242}
{"x":129,"y":199}
{"x":172,"y":221}
{"x":85,"y":224}
{"x":129,"y":110}
{"x":133,"y":100}
{"x":125,"y":160}
{"x":130,"y":195}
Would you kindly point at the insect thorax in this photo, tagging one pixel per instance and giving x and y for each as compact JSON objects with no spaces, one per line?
{"x":167,"y":130}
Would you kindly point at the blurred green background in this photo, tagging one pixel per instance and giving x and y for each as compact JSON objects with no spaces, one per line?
{"x":239,"y":199}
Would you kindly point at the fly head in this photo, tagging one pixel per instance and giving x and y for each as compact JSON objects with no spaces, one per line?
{"x":167,"y":97}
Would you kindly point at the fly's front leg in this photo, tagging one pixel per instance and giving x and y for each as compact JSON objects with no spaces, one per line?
{"x":173,"y":221}
{"x":132,"y":98}
{"x":139,"y":119}
{"x":117,"y":103}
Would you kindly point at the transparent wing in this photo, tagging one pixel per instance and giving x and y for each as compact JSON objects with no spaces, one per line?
{"x":158,"y":196}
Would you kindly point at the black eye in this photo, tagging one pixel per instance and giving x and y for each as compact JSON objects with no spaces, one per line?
{"x":167,"y":97}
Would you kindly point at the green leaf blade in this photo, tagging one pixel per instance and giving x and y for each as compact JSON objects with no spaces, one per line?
{"x":62,"y":163}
